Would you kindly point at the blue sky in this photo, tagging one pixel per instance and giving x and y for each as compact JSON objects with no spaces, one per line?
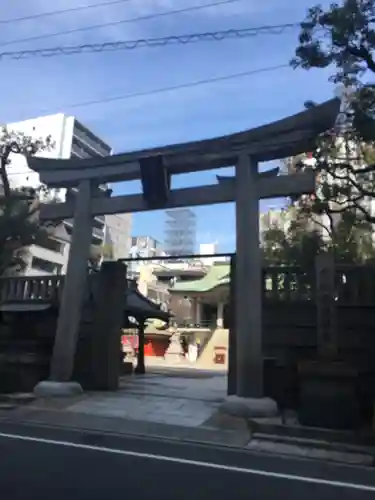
{"x":34,"y":87}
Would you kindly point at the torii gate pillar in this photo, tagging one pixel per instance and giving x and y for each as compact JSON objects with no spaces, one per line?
{"x":249,"y":399}
{"x":62,"y":363}
{"x":248,"y":307}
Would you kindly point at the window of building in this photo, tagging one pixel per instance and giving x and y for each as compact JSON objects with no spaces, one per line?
{"x":46,"y":266}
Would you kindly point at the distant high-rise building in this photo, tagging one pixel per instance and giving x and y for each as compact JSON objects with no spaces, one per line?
{"x":180,"y":232}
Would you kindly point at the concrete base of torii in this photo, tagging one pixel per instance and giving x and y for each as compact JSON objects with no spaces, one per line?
{"x":51,"y":389}
{"x":240,"y":407}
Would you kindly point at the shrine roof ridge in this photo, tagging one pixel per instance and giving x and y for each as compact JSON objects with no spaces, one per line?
{"x":217,"y":275}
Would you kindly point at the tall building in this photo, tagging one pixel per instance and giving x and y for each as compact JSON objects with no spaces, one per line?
{"x":70,"y":139}
{"x":142,"y":247}
{"x":117,"y":237}
{"x":180,"y":232}
{"x":208,"y":249}
{"x":145,"y":246}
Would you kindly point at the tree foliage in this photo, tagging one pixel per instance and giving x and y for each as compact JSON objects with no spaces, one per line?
{"x":14,"y":142}
{"x":297,"y":243}
{"x":95,"y":257}
{"x":19,"y":209}
{"x":342,"y":37}
{"x":108,"y":253}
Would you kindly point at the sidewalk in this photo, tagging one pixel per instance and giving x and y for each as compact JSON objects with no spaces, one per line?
{"x":174,"y":404}
{"x":168,"y":399}
{"x":179,"y":404}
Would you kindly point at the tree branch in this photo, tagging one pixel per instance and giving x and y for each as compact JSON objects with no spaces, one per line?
{"x":364,"y":54}
{"x":4,"y":159}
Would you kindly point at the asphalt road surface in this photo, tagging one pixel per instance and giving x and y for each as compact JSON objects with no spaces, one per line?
{"x":36,"y":461}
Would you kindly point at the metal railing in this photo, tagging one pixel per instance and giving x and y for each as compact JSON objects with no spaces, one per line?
{"x":43,"y":288}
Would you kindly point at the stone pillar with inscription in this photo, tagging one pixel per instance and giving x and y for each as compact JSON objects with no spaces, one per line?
{"x":108,"y":322}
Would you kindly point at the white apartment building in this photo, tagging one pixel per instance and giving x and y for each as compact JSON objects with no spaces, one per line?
{"x":278,"y":217}
{"x":210,"y":249}
{"x":118,"y":230}
{"x":70,"y":139}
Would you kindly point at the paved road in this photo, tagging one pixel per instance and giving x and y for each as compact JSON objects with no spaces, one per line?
{"x":37,"y":461}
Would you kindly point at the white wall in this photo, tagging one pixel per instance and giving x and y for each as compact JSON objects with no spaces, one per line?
{"x":206,"y":248}
{"x":118,"y":227}
{"x":209,"y":248}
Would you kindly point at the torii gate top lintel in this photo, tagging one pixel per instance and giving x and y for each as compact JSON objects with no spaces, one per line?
{"x":286,"y":137}
{"x":154,"y":167}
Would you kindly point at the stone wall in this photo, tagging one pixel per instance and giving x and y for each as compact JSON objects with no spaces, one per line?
{"x":27,"y":338}
{"x":290,"y":327}
{"x":26,"y":341}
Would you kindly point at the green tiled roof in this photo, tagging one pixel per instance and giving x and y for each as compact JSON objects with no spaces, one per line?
{"x":217,"y":275}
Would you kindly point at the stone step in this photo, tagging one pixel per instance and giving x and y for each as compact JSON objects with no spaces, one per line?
{"x":275,"y":426}
{"x":303,"y":450}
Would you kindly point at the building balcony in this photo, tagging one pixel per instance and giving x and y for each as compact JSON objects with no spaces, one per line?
{"x":98,"y":233}
{"x":98,"y":147}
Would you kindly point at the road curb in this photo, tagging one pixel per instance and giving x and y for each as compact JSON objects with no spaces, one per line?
{"x":307,"y":451}
{"x":316,"y":443}
{"x":115,"y":426}
{"x":88,"y":431}
{"x":205,"y":435}
{"x":276,"y":427}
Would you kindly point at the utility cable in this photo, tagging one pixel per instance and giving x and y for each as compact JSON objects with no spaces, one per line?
{"x":196,"y":83}
{"x":161,"y":90}
{"x":51,"y":13}
{"x":116,"y":23}
{"x":216,"y":36}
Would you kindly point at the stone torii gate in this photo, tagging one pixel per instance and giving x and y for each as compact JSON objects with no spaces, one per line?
{"x":155,"y":167}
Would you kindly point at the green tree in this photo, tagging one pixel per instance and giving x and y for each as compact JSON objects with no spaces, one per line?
{"x":292,"y":245}
{"x":342,"y":37}
{"x":96,"y":257}
{"x":108,"y":253}
{"x":19,"y":209}
{"x":298,"y":244}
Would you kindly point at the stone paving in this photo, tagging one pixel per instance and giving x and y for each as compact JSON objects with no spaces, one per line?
{"x":168,"y":398}
{"x":153,"y":361}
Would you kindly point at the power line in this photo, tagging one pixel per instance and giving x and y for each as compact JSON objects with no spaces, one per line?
{"x":196,"y":83}
{"x":161,"y":90}
{"x":216,"y":36}
{"x":115,"y":23}
{"x":61,"y":11}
